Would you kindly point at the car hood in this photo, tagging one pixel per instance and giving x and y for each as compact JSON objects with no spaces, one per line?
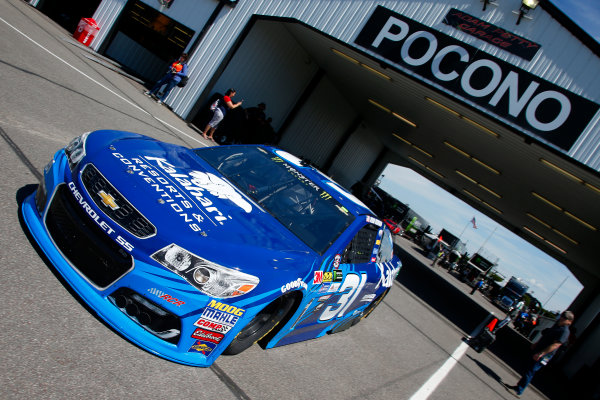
{"x":189,"y":202}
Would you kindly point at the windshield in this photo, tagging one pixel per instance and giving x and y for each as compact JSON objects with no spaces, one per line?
{"x":302,"y":206}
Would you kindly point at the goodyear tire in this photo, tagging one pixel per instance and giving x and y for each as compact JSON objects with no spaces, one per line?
{"x":260,"y":325}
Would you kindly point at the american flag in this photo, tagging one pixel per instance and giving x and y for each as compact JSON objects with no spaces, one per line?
{"x":474,"y":223}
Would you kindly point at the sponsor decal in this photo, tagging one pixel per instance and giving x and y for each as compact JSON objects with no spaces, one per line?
{"x":334,"y":287}
{"x":338,"y":276}
{"x":166,"y":297}
{"x":351,"y":288}
{"x":203,"y":334}
{"x":336,"y":261}
{"x":229,"y":309}
{"x":201,"y":346}
{"x":325,"y":287}
{"x":505,"y":91}
{"x":190,"y":194}
{"x":333,"y":276}
{"x":318,"y":279}
{"x":211,"y":325}
{"x":368,"y":297}
{"x":374,"y":221}
{"x":298,"y":283}
{"x":108,"y":200}
{"x":96,"y":218}
{"x":388,"y":271}
{"x":298,"y":175}
{"x":492,"y":34}
{"x":197,"y":182}
{"x":182,"y":204}
{"x":222,"y":316}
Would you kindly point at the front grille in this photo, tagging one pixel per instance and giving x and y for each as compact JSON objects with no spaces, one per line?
{"x":147,"y":314}
{"x":122,"y":212}
{"x":83,"y":242}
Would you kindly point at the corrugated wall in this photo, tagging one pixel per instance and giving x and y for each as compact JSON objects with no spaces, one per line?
{"x":359,"y":152}
{"x":128,"y":52}
{"x":319,"y":125}
{"x":562,"y":60}
{"x":106,"y":14}
{"x":191,"y":13}
{"x":259,"y":77}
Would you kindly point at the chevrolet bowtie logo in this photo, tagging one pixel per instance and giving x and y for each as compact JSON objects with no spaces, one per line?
{"x":108,"y":200}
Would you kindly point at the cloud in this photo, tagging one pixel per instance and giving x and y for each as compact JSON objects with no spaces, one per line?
{"x":516,"y":256}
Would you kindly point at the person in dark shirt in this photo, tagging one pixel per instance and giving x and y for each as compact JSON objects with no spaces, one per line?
{"x":543,"y":350}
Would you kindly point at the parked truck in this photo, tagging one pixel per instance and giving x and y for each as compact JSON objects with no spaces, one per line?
{"x":511,"y":294}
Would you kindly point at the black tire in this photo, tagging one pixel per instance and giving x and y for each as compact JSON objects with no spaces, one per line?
{"x":260,"y":325}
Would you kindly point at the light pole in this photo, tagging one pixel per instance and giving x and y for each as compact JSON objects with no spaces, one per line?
{"x":556,"y":290}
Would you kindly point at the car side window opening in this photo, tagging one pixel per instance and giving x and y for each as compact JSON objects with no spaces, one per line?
{"x":360,"y":248}
{"x":386,"y":250}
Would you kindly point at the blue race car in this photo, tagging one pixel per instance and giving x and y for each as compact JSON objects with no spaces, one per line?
{"x":191,"y":253}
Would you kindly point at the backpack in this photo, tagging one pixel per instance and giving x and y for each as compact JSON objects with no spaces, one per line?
{"x":214,"y":105}
{"x":183,"y":81}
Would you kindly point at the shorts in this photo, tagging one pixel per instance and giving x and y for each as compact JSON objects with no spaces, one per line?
{"x":217,"y":117}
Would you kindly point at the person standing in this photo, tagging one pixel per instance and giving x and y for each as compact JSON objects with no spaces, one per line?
{"x":477,"y":286}
{"x":543,"y":350}
{"x":438,"y":255}
{"x":220,"y":108}
{"x":176,"y":72}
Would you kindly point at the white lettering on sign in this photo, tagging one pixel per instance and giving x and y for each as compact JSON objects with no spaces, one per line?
{"x":550,"y":111}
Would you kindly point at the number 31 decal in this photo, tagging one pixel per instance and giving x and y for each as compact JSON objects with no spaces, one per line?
{"x":354,"y":284}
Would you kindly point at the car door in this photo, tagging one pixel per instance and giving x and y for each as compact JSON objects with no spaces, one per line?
{"x":347,"y":282}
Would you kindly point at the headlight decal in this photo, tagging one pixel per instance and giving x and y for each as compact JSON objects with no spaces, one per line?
{"x":209,"y":278}
{"x":75,"y":150}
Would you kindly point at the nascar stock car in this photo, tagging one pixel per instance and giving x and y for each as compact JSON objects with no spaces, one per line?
{"x":193,"y":253}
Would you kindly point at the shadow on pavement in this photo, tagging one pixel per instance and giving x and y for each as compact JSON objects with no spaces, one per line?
{"x":463,"y":311}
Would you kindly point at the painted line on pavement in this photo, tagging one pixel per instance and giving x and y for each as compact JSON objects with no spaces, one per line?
{"x":98,"y":83}
{"x":434,"y":381}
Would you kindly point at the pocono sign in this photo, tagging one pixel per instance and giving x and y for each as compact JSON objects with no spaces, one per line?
{"x":537,"y":106}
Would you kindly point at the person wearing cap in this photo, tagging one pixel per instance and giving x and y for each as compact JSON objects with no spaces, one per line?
{"x":543,"y":350}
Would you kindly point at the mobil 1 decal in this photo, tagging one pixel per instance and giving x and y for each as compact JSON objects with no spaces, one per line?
{"x":548,"y":111}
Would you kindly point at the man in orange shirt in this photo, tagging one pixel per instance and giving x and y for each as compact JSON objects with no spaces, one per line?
{"x":177,"y":71}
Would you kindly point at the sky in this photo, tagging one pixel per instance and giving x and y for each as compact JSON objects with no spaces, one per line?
{"x":584,"y":13}
{"x":549,"y":281}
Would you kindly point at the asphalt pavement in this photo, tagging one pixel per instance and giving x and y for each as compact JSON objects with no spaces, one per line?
{"x":55,"y":348}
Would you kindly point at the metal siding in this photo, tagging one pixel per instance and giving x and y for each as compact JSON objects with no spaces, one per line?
{"x":562,"y":59}
{"x":355,"y":158}
{"x":191,"y":13}
{"x":106,"y":14}
{"x":319,"y":125}
{"x":128,"y":52}
{"x":258,"y":77}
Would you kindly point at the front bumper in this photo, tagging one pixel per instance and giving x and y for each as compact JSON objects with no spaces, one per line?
{"x":135,"y":296}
